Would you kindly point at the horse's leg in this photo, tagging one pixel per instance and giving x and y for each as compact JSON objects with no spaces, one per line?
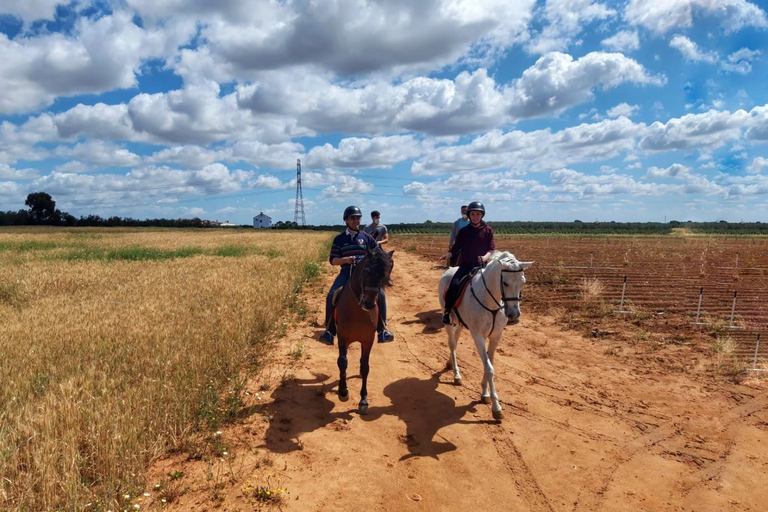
{"x":487,"y":383}
{"x":342,"y":362}
{"x":364,"y":368}
{"x":453,"y":339}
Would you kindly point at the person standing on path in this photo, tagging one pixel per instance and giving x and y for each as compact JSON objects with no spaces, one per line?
{"x":349,"y":247}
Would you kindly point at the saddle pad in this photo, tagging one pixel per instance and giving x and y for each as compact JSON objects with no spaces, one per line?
{"x":462,"y":286}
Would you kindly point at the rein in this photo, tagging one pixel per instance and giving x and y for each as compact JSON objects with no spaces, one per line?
{"x":361,"y":297}
{"x":500,"y":303}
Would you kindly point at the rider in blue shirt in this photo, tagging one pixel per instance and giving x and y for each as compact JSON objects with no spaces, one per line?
{"x":349,"y":247}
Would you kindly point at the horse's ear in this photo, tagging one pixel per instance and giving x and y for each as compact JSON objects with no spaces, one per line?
{"x":525,"y":264}
{"x":391,"y":253}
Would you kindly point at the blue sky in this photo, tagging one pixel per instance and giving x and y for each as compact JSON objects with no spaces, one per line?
{"x":637,"y":110}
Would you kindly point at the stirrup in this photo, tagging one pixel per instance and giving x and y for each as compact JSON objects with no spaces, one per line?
{"x":447,"y":317}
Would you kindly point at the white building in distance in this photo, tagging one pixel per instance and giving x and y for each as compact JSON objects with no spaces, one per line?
{"x":262,"y":221}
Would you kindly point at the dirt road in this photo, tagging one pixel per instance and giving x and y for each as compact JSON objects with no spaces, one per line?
{"x":590,"y":425}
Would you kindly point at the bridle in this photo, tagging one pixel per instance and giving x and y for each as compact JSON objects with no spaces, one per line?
{"x":500,"y":303}
{"x":361,"y":297}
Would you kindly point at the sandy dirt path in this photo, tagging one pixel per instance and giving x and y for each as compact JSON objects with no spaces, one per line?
{"x":589,"y":424}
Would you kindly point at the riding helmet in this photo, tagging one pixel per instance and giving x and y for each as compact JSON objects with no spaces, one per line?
{"x":476,"y":206}
{"x":352,"y":211}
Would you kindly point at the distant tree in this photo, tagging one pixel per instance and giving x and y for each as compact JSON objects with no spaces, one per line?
{"x":42,"y":208}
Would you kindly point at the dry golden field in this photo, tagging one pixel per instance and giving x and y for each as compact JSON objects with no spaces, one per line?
{"x":122,"y":345}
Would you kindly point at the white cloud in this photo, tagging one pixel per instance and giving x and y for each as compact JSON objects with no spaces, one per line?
{"x":352,"y":37}
{"x":624,"y":41}
{"x":9,"y":173}
{"x":740,"y":61}
{"x":565,"y":20}
{"x":702,"y":132}
{"x":673,"y":171}
{"x":661,"y":16}
{"x":690,"y":50}
{"x":353,"y":153}
{"x":557,"y":82}
{"x":623,"y":109}
{"x":105,"y":154}
{"x":758,"y":165}
{"x":29,"y":11}
{"x":101,"y":55}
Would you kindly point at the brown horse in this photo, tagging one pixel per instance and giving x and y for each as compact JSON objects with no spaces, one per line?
{"x":357,"y":314}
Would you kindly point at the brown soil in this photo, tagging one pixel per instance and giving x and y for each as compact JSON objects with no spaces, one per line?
{"x":606,"y":423}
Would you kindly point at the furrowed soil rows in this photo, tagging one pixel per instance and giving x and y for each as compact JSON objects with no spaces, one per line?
{"x":665,"y":277}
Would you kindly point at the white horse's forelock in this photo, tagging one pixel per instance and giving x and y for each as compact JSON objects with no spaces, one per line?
{"x":505,"y":257}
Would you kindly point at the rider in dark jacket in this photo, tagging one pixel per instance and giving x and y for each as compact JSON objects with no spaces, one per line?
{"x":349,"y":247}
{"x":476,"y":244}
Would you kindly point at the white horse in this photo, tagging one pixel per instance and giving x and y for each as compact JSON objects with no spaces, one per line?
{"x":491,"y":301}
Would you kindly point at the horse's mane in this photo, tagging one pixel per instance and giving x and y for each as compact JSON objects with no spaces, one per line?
{"x":381,"y":265}
{"x":503,"y":255}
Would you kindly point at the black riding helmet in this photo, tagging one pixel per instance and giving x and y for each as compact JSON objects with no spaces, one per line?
{"x":352,"y":211}
{"x":476,"y":206}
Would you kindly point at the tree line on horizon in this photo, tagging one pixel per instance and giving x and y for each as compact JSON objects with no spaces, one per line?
{"x":42,"y":211}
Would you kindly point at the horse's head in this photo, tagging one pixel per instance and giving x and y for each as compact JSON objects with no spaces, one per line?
{"x":374,"y":275}
{"x":512,"y":280}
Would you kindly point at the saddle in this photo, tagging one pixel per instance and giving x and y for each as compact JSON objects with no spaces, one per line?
{"x":461,"y":288}
{"x":335,"y":296}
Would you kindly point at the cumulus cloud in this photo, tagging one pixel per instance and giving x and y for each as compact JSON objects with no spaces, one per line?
{"x":9,"y":173}
{"x":353,"y":153}
{"x":623,"y":41}
{"x":740,"y":61}
{"x":565,"y":20}
{"x":673,"y":171}
{"x":705,"y":131}
{"x":622,"y":109}
{"x":557,"y":82}
{"x":758,"y":165}
{"x":661,"y":16}
{"x":101,"y":55}
{"x":352,"y":37}
{"x":100,"y":153}
{"x":691,"y":51}
{"x":31,"y":11}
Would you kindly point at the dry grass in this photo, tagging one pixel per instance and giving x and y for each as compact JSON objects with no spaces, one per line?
{"x":726,"y":362}
{"x":120,"y":345}
{"x":591,"y":290}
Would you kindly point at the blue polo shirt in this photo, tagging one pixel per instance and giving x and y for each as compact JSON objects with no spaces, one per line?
{"x":348,"y":244}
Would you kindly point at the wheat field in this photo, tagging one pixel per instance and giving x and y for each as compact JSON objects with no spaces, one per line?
{"x":121,"y":345}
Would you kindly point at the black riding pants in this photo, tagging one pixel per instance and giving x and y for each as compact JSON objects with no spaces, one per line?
{"x":453,"y":288}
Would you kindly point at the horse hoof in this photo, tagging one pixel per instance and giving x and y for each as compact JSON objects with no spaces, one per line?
{"x":362,"y":409}
{"x":485,"y":400}
{"x":456,"y":382}
{"x":344,"y":396}
{"x":498,"y":415}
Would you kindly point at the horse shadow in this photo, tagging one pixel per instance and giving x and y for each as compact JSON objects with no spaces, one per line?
{"x":300,"y":406}
{"x":424,"y":410}
{"x":431,"y":320}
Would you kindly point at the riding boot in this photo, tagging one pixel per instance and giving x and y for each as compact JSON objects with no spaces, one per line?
{"x":447,"y":316}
